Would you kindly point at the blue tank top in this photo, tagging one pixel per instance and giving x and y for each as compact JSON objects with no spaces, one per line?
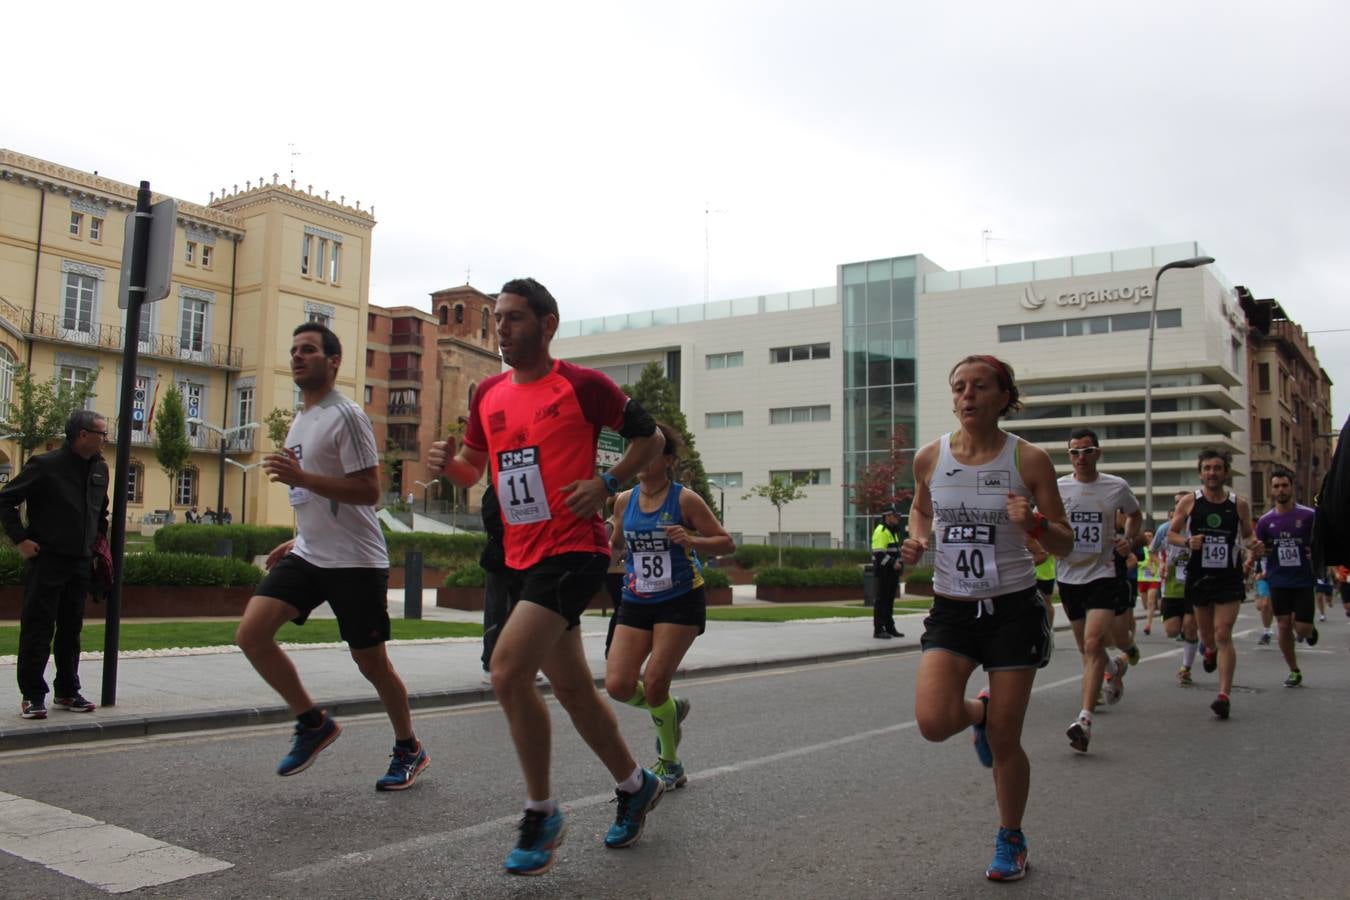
{"x":657,"y":568}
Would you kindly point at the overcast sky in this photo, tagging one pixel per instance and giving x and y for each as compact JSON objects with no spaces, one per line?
{"x":582,"y":142}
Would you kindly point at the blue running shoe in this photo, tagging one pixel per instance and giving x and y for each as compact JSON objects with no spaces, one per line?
{"x":681,"y":713}
{"x":632,"y":812}
{"x":1010,"y":856}
{"x":308,"y":743}
{"x":672,"y":773}
{"x":404,"y":767}
{"x":979,"y":734}
{"x":540,"y":835}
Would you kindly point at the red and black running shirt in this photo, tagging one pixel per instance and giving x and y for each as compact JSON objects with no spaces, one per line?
{"x":540,"y":437}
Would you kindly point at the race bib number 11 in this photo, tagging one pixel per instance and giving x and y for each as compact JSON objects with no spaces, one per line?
{"x":520,"y":487}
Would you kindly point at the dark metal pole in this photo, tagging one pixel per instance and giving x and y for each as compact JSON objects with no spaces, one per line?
{"x":220,"y":492}
{"x":243,"y":496}
{"x":140,"y":252}
{"x":412,"y":585}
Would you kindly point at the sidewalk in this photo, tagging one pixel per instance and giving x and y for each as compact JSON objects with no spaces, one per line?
{"x":166,"y":691}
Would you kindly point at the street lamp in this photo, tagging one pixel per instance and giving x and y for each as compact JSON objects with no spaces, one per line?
{"x":426,"y":486}
{"x":243,"y":486}
{"x":223,"y":434}
{"x":1193,"y":263}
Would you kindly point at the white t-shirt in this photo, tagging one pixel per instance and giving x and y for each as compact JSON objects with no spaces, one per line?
{"x":1092,"y":507}
{"x":334,"y":438}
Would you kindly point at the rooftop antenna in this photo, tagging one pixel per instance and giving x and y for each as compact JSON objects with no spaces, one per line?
{"x":986,"y":236}
{"x":468,"y":270}
{"x":707,"y":249}
{"x":293,"y":153}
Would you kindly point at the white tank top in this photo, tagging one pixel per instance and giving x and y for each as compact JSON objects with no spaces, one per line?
{"x":980,"y":553}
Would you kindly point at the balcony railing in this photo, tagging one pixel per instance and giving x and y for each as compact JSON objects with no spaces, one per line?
{"x":406,"y":338}
{"x":111,"y":337}
{"x":205,"y":439}
{"x":413,"y":374}
{"x":404,"y":409}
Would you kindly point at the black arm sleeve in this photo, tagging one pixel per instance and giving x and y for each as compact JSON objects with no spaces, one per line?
{"x":637,"y":422}
{"x":15,"y":493}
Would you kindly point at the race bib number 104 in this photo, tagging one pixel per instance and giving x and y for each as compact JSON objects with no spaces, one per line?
{"x":520,"y":487}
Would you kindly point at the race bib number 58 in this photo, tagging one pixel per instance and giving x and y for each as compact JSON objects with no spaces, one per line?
{"x":520,"y":487}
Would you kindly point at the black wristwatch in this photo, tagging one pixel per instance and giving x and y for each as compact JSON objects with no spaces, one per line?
{"x":611,"y":483}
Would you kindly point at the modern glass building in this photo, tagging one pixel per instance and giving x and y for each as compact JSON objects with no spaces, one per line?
{"x":879,"y":300}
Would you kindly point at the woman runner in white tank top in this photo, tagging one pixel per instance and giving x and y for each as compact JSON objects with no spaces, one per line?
{"x":974,"y":494}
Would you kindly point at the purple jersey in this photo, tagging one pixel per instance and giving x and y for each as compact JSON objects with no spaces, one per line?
{"x":1288,"y":540}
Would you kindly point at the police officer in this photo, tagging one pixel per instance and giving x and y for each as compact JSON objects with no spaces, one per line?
{"x":66,"y":493}
{"x":886,"y":565}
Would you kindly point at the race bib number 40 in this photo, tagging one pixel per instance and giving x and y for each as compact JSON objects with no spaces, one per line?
{"x":967,"y":551}
{"x":1214,"y":552}
{"x":520,"y":487}
{"x":1087,"y":533}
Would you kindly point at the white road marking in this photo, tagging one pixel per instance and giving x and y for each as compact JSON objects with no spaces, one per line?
{"x":110,"y":858}
{"x":445,"y":838}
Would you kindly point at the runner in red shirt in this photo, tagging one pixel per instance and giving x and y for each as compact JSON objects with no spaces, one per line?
{"x":535,"y":429}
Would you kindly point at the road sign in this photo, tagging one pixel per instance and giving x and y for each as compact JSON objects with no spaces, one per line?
{"x":159,"y":265}
{"x":608,"y":449}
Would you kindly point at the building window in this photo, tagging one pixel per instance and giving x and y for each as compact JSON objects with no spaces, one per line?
{"x":319,"y":316}
{"x":1265,"y":431}
{"x":487,"y":317}
{"x":370,"y":358}
{"x":370,"y":394}
{"x":190,"y":253}
{"x":1263,"y":377}
{"x":95,"y":228}
{"x":70,"y":378}
{"x":7,"y":362}
{"x":799,"y":539}
{"x":726,"y":479}
{"x":321,"y":258}
{"x":185,"y":487}
{"x":785,"y":415}
{"x":1258,"y":488}
{"x":192,"y":326}
{"x":1081,"y":325}
{"x":799,"y":352}
{"x":459,"y":313}
{"x":76,"y":223}
{"x":243,"y":406}
{"x":206,"y":257}
{"x":725,"y":419}
{"x":334,"y":267}
{"x":804,"y":476}
{"x":135,"y":483}
{"x":444,"y":314}
{"x":77,"y":310}
{"x":306,"y":248}
{"x":193,"y":406}
{"x":725,"y":360}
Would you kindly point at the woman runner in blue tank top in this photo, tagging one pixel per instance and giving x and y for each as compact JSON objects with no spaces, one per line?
{"x":974,"y":490}
{"x":659,"y":528}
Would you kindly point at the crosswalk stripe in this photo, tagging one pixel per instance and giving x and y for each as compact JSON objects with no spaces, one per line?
{"x":110,"y":858}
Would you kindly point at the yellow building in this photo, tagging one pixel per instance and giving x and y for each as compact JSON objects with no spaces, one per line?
{"x":250,"y":266}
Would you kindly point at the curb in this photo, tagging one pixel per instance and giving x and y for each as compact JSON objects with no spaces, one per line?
{"x":89,"y":729}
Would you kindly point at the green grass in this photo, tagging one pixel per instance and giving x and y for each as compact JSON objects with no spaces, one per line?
{"x":784,"y":613}
{"x":159,"y":635}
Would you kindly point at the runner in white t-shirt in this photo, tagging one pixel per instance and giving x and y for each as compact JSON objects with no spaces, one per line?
{"x":1089,"y":586}
{"x":331,"y":465}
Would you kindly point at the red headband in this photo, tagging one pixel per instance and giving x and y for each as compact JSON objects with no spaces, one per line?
{"x":1000,"y":370}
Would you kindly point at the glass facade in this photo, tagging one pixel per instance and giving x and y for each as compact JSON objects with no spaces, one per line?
{"x":878,"y":300}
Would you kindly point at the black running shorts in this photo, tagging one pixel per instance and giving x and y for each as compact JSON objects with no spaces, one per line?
{"x":1077,"y":599}
{"x":1298,"y":602}
{"x":1016,"y":635}
{"x":689,"y":609}
{"x":359,"y":597}
{"x":1176,"y":607}
{"x":564,"y":584}
{"x":1207,"y":590}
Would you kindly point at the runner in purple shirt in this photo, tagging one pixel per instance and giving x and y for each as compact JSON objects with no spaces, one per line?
{"x":1286,"y":531}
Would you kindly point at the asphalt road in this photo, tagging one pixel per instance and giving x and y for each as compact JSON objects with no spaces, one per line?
{"x":808,"y":782}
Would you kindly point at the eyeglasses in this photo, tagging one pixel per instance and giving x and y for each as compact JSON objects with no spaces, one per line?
{"x":1082,"y":451}
{"x":102,"y":434}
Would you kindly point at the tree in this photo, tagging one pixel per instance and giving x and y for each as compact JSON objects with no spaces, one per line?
{"x":278,"y":423}
{"x":657,"y":395}
{"x":40,"y":409}
{"x":172,"y":448}
{"x":878,"y":484}
{"x":780,"y":492}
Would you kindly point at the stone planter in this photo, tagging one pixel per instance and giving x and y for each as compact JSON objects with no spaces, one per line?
{"x":430,"y":577}
{"x":737,"y":575}
{"x":466,"y":598}
{"x":807,"y":594}
{"x":144,"y":601}
{"x":718,"y":596}
{"x":920,"y":589}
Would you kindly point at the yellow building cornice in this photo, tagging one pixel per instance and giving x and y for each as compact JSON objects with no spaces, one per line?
{"x":236,"y":200}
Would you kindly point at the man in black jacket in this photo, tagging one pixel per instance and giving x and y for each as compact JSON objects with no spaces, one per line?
{"x":1331,"y":528}
{"x":66,"y":494}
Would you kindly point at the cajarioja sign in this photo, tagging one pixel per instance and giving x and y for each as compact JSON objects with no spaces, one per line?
{"x":1083,"y":299}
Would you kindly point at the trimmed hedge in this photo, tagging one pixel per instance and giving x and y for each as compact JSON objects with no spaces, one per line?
{"x":160,"y":570}
{"x":773,"y":576}
{"x":467,"y":575}
{"x":715,"y":578}
{"x":750,"y":556}
{"x":918,"y":575}
{"x":447,"y":550}
{"x":247,"y":541}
